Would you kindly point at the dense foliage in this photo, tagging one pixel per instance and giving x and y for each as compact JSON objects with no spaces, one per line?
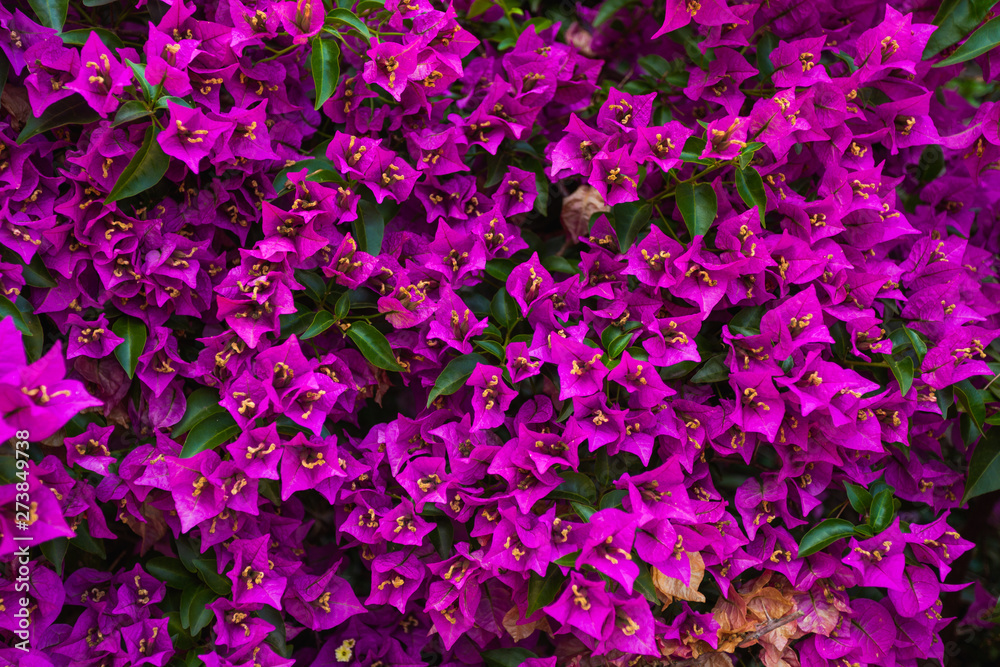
{"x":404,"y":333}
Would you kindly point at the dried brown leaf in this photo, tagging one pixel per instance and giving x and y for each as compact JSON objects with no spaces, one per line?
{"x":577,"y":209}
{"x":670,"y":588}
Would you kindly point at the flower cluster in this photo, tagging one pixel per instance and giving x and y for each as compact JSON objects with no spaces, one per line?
{"x":408,"y":332}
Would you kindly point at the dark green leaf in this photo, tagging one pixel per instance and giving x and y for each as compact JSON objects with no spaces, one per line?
{"x":542,"y":591}
{"x":619,"y":345}
{"x":613,"y":498}
{"x":347,"y":17}
{"x":698,"y":206}
{"x":209,"y":433}
{"x":320,"y":170}
{"x":205,"y":566}
{"x":971,"y":400}
{"x":195,"y":614}
{"x":984,"y":467}
{"x":86,"y":542}
{"x":50,"y":13}
{"x":131,"y":111}
{"x":955,"y":19}
{"x":369,"y":228}
{"x":139,"y":72}
{"x":491,"y":346}
{"x":443,"y":536}
{"x":507,"y":657}
{"x":134,"y":332}
{"x":824,"y":535}
{"x":714,"y":370}
{"x":559,"y":264}
{"x":79,"y":37}
{"x":882,"y":511}
{"x":69,"y":110}
{"x":582,"y":510}
{"x":919,"y":346}
{"x":479,"y":7}
{"x":863,"y":531}
{"x":322,"y":321}
{"x":542,"y":194}
{"x":576,"y":486}
{"x":499,"y":268}
{"x":35,"y":338}
{"x":931,"y":163}
{"x":859,"y":497}
{"x":630,"y":219}
{"x":143,"y":171}
{"x":162,"y":102}
{"x":658,"y":66}
{"x":171,"y":572}
{"x":747,"y":153}
{"x":902,"y":370}
{"x":4,"y":70}
{"x":981,"y":41}
{"x":325,"y":65}
{"x":751,"y":188}
{"x":55,"y":552}
{"x":608,"y":9}
{"x":343,"y":306}
{"x":767,"y":43}
{"x":8,"y":309}
{"x":505,"y":310}
{"x":454,"y":375}
{"x":569,"y":560}
{"x":202,"y":403}
{"x":373,"y":346}
{"x":644,"y":583}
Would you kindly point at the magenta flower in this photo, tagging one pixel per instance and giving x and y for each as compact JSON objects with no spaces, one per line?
{"x":102,"y":77}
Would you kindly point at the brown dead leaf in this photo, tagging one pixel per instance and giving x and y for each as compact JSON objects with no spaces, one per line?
{"x":14,"y":100}
{"x":715,"y":659}
{"x":769,"y":603}
{"x":523,"y":631}
{"x":670,"y":588}
{"x":731,"y":615}
{"x":772,"y":657}
{"x":577,"y":209}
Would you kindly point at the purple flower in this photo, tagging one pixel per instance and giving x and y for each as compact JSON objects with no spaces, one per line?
{"x":101,"y":78}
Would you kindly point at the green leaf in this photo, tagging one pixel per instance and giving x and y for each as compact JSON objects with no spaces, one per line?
{"x":747,"y":153}
{"x":320,"y":170}
{"x":139,"y":71}
{"x":373,"y":346}
{"x":751,"y":188}
{"x":823,"y":535}
{"x":583,"y":511}
{"x":443,"y":537}
{"x":984,"y":467}
{"x":576,"y":486}
{"x":86,"y":542}
{"x":69,"y":110}
{"x":36,"y":337}
{"x":902,"y":370}
{"x":55,"y":552}
{"x":542,"y":591}
{"x":569,"y":560}
{"x":504,"y":309}
{"x":206,"y":568}
{"x":981,"y":41}
{"x":767,"y":43}
{"x":608,"y":9}
{"x":919,"y":346}
{"x":50,"y":13}
{"x":630,"y":218}
{"x":4,"y":70}
{"x":454,"y":375}
{"x":882,"y":511}
{"x":972,"y":403}
{"x":322,"y":321}
{"x":195,"y":613}
{"x":542,"y":194}
{"x":714,"y":370}
{"x":656,"y":65}
{"x":201,"y":404}
{"x":8,"y":309}
{"x":859,"y":497}
{"x":162,"y":102}
{"x":171,"y":572}
{"x":613,"y":498}
{"x":644,"y":583}
{"x":134,"y":332}
{"x":559,"y":264}
{"x":698,"y":206}
{"x":325,"y":65}
{"x":343,"y":306}
{"x":79,"y":37}
{"x":500,"y":268}
{"x":369,"y":228}
{"x":35,"y":273}
{"x":479,"y":7}
{"x":131,"y":111}
{"x":507,"y":657}
{"x":347,"y":17}
{"x":209,"y":433}
{"x":143,"y":171}
{"x":955,"y":19}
